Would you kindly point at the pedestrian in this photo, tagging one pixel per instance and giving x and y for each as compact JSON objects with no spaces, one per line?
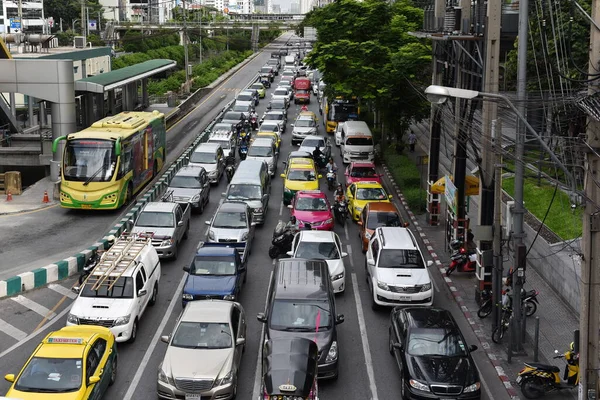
{"x":412,"y":140}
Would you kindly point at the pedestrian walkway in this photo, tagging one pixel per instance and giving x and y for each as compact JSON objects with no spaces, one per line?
{"x":556,"y":320}
{"x":31,"y":199}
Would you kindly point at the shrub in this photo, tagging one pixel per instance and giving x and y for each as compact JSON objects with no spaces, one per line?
{"x":408,"y":177}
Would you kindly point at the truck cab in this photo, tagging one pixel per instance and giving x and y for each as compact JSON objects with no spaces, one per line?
{"x":302,"y":90}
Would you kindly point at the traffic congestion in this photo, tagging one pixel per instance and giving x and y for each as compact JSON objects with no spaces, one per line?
{"x":291,"y":271}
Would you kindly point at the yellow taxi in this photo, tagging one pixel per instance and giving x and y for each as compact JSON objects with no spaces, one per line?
{"x":359,"y":194}
{"x":274,"y":134}
{"x":260,"y":88}
{"x":73,"y":363}
{"x":309,"y":114}
{"x":299,"y":175}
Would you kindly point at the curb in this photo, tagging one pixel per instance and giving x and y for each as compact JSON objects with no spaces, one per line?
{"x":71,"y":265}
{"x":477,"y":328}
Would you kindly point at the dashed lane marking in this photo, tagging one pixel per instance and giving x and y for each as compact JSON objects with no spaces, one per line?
{"x":281,"y":209}
{"x":10,"y":330}
{"x":33,"y":306}
{"x":346,"y":231}
{"x":350,"y":255}
{"x":62,"y":290}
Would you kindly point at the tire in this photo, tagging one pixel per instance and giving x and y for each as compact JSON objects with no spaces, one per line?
{"x":532,"y":387}
{"x":113,"y":373}
{"x":175,"y":253}
{"x":529,"y":308}
{"x":273,"y":252}
{"x":128,"y":194}
{"x":498,"y":334}
{"x":374,"y":306}
{"x":154,"y":169}
{"x":485,"y":309}
{"x":134,"y":329}
{"x":390,"y":346}
{"x":186,"y":234}
{"x":154,"y":295}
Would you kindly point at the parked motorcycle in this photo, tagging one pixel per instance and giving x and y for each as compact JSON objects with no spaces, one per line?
{"x":331,"y":180}
{"x":529,"y":302}
{"x":283,"y":236}
{"x":462,"y":259}
{"x":537,"y":380}
{"x":340,"y":211}
{"x":91,"y":262}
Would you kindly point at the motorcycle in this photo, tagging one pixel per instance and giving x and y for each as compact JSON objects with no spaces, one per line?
{"x":461,"y":259}
{"x":331,"y":180}
{"x":283,"y":236}
{"x":340,"y":211}
{"x":229,"y":171}
{"x":537,"y":380}
{"x":529,"y":302}
{"x":254,"y":123}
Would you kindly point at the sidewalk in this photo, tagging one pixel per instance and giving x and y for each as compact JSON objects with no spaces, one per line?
{"x":31,"y":198}
{"x":557,"y":320}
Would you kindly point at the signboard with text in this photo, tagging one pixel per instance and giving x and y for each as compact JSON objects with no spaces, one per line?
{"x":450,"y":193}
{"x":15,"y":23}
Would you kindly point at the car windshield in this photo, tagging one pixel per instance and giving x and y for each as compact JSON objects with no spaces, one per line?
{"x":363,"y":172}
{"x":241,"y":107}
{"x":311,"y":204}
{"x":51,"y":375}
{"x":273,"y":117}
{"x":305,"y":175}
{"x":397,"y":258}
{"x":319,"y":250}
{"x":222,"y":127}
{"x":257,"y":86}
{"x":265,"y":69}
{"x":445,"y":342}
{"x":121,"y":288}
{"x":188,"y":182}
{"x":301,"y":91}
{"x":230,"y":220}
{"x":304,"y":123}
{"x":244,"y":97}
{"x":203,"y":265}
{"x":313,"y":142}
{"x":225,"y":144}
{"x":244,"y":192}
{"x":277,"y":105}
{"x":260,"y":151}
{"x":202,"y":157}
{"x":371,"y":194}
{"x":300,"y":316}
{"x":284,"y":82}
{"x":378,"y":219}
{"x":269,"y":128}
{"x":200,"y":335}
{"x":281,"y":92}
{"x":155,"y":219}
{"x":232,"y":116}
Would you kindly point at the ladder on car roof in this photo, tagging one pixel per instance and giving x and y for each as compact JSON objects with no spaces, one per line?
{"x":116,"y":260}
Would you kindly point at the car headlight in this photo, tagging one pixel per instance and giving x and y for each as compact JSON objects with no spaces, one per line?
{"x":166,"y":242}
{"x":472,"y":388}
{"x":225,"y":380}
{"x":258,"y":210}
{"x":338,"y":276}
{"x":418,"y":385}
{"x":195,"y":198}
{"x":368,"y":235}
{"x":122,"y":320}
{"x":286,"y":190}
{"x":230,"y":297}
{"x":332,"y":355}
{"x":163,"y":377}
{"x":328,"y":221}
{"x":357,"y":208}
{"x":211,"y":234}
{"x":426,"y":287}
{"x":187,"y":296}
{"x":383,"y":286}
{"x":73,"y":319}
{"x":213,"y":172}
{"x":245,"y":237}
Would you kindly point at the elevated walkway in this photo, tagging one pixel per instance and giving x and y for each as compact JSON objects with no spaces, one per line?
{"x":6,"y":115}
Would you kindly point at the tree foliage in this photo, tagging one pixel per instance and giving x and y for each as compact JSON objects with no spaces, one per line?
{"x":69,"y":10}
{"x":364,"y":49}
{"x":135,"y":41}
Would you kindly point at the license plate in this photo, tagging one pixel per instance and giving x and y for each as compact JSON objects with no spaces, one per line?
{"x":190,"y":396}
{"x":86,"y":206}
{"x":519,"y":379}
{"x":404,"y":298}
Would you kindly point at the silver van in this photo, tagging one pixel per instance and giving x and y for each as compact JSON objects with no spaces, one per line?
{"x":251,"y":183}
{"x":210,"y":156}
{"x":357,"y":142}
{"x":264,"y":149}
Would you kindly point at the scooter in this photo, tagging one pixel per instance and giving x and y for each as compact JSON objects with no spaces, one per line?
{"x":461,"y":259}
{"x":529,"y":302}
{"x":537,"y":380}
{"x":254,"y":123}
{"x":229,"y":171}
{"x":283,"y":236}
{"x":331,"y":181}
{"x":340,"y":211}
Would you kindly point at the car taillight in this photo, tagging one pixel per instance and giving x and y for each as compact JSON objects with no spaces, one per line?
{"x":463,"y":250}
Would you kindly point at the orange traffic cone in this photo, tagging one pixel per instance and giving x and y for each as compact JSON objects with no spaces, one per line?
{"x":46,"y":199}
{"x":8,"y":196}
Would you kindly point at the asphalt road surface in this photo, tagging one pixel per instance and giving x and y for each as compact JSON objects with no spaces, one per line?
{"x":367,"y":371}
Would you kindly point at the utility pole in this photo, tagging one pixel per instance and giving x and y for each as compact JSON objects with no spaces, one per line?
{"x":227,"y":30}
{"x":590,"y":265}
{"x":87,"y":21}
{"x":496,"y":144}
{"x":200,"y":37}
{"x":83,"y":26}
{"x":185,"y":48}
{"x":519,"y":210}
{"x":20,"y":13}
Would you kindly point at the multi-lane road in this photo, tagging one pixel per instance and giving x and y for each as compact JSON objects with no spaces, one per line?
{"x":367,"y":371}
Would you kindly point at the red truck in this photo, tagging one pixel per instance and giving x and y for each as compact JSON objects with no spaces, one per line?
{"x":302,"y":90}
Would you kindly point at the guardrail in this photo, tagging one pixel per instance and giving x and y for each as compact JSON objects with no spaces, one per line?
{"x":72,"y":265}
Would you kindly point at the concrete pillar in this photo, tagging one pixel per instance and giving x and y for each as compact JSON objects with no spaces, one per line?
{"x":42,"y":114}
{"x":83,"y":69}
{"x":111,"y":102}
{"x":13,"y":105}
{"x":145,"y":99}
{"x":181,"y":38}
{"x":63,"y":123}
{"x":30,"y":101}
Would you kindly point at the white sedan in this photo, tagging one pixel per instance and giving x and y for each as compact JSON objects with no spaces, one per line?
{"x":323,"y":245}
{"x":282,"y":93}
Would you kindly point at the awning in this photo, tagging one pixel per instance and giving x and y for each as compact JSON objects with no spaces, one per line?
{"x":471,"y":185}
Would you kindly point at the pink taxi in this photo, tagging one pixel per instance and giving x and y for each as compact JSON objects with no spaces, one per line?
{"x":360,"y":172}
{"x":312,"y":206}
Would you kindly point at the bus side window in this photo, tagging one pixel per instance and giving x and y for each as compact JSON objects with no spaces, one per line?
{"x":125,"y":166}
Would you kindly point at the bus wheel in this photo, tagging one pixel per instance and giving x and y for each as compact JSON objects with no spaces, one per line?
{"x":154,"y":169}
{"x":128,"y":194}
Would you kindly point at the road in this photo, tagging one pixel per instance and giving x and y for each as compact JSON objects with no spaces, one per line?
{"x":367,"y":371}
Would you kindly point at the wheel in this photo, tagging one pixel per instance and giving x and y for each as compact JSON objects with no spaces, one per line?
{"x":273,"y":252}
{"x":187,"y":231}
{"x":390,"y":345}
{"x":128,"y":194}
{"x":245,"y":276}
{"x":154,"y":169}
{"x":374,"y":305}
{"x":530,"y":308}
{"x":154,"y":295}
{"x":201,"y":207}
{"x":485,"y":309}
{"x":175,"y":253}
{"x":133,"y":331}
{"x":113,"y":372}
{"x":498,"y":334}
{"x":532,"y":387}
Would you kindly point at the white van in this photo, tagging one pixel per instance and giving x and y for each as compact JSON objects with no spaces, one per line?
{"x":357,"y":142}
{"x":118,"y":290}
{"x":289,"y":61}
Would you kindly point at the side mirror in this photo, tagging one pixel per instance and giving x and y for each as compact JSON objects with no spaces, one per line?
{"x":186,"y":269}
{"x":290,"y":253}
{"x":290,"y":206}
{"x":344,"y":254}
{"x":240,"y":341}
{"x":253,"y":224}
{"x":339,"y":319}
{"x":319,"y":176}
{"x":76,"y":289}
{"x":261,"y":317}
{"x":93,"y":380}
{"x":370,"y":261}
{"x":207,"y":222}
{"x":282,"y":175}
{"x":9,"y":377}
{"x":359,"y":223}
{"x":429,"y":263}
{"x":223,"y":194}
{"x":473,"y":347}
{"x":397,"y":346}
{"x":142,"y":292}
{"x":292,"y":125}
{"x":180,"y":223}
{"x":165,"y":338}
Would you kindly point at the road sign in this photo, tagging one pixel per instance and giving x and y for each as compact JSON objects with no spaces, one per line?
{"x":450,"y":193}
{"x":92,"y":25}
{"x":15,"y":23}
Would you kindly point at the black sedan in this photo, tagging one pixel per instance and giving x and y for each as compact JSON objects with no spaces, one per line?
{"x":431,"y":353}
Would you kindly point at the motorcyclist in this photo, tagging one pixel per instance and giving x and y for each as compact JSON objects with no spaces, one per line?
{"x":331,"y":166}
{"x":293,"y":224}
{"x":572,"y":369}
{"x":317,"y":153}
{"x":243,"y":145}
{"x":304,"y":108}
{"x":254,"y":119}
{"x":339,"y":194}
{"x":471,"y":245}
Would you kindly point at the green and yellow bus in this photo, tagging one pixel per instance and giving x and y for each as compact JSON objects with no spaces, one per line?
{"x":104,"y":165}
{"x":339,"y":110}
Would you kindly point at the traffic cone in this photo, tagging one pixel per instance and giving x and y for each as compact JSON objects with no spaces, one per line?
{"x":8,"y":196}
{"x":46,"y":199}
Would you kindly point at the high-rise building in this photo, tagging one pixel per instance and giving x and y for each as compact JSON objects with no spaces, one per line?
{"x":32,"y":12}
{"x":153,"y":11}
{"x":276,"y":9}
{"x":295,"y":8}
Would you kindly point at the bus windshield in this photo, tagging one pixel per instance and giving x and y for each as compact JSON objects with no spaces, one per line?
{"x":343,"y":112}
{"x":89,"y":160}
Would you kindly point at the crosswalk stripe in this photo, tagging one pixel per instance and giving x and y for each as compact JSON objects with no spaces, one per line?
{"x":62,"y":290}
{"x":33,"y":306}
{"x":11,"y":330}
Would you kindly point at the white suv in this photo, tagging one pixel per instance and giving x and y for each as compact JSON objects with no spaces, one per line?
{"x":396,"y":271}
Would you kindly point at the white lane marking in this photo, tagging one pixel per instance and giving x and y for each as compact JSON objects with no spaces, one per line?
{"x":350,"y":255}
{"x":34,"y":334}
{"x":363,"y":337}
{"x":281,"y":209}
{"x":346,"y":231}
{"x":155,"y":340}
{"x":274,"y":261}
{"x":62,"y":290}
{"x":257,"y":373}
{"x":487,"y":389}
{"x":33,"y":306}
{"x":11,"y":330}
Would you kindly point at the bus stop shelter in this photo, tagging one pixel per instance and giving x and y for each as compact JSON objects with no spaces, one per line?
{"x":124,"y":89}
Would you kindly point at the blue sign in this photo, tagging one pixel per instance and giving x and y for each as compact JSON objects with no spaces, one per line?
{"x":15,"y":23}
{"x":92,"y":25}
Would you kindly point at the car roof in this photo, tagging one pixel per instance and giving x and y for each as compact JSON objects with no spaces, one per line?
{"x":315,"y":194}
{"x":189,"y":170}
{"x":216,"y":251}
{"x":296,"y":277}
{"x":160,"y":206}
{"x":299,"y":154}
{"x":236,"y":206}
{"x":263,"y":141}
{"x":207,"y":311}
{"x":207,"y":147}
{"x":396,"y":238}
{"x":362,"y":164}
{"x":301,"y":161}
{"x":368,"y":184}
{"x":67,"y":342}
{"x":278,"y":112}
{"x":316,"y":236}
{"x":429,"y":317}
{"x":380,"y":206}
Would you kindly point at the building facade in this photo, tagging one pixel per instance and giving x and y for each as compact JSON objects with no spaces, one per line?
{"x":32,"y":12}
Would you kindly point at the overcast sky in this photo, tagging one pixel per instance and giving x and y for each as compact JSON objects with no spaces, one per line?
{"x":285,"y":4}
